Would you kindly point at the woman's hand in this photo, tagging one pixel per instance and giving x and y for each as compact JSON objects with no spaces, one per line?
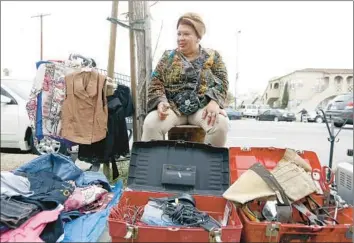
{"x":211,"y":112}
{"x":162,"y":110}
{"x":223,"y":112}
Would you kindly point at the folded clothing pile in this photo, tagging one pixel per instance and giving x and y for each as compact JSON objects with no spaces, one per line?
{"x":40,"y":197}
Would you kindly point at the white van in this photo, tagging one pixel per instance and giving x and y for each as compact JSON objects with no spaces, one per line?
{"x":249,"y":110}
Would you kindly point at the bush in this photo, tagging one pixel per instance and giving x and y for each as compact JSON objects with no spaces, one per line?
{"x":285,"y":100}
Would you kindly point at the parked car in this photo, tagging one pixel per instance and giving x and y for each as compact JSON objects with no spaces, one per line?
{"x":315,"y":116}
{"x":340,"y":109}
{"x":233,"y":114}
{"x":15,"y":124}
{"x":249,"y":110}
{"x":263,"y":108}
{"x":277,"y":115}
{"x":288,"y":115}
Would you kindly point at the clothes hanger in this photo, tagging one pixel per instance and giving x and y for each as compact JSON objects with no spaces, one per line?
{"x":86,"y":64}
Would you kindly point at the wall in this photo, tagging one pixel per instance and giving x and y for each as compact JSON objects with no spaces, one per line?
{"x":329,"y":89}
{"x":308,"y":88}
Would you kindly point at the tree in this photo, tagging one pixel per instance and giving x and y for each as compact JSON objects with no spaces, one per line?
{"x":285,"y":100}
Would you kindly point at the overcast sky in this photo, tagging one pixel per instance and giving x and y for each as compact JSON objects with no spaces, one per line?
{"x":276,"y":37}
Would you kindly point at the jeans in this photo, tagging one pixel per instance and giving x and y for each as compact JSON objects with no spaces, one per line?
{"x":58,"y":164}
{"x":64,"y":168}
{"x":70,"y":216}
{"x":14,"y":213}
{"x":48,"y":188}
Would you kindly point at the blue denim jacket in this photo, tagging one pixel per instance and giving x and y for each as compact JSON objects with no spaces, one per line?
{"x":63,"y":167}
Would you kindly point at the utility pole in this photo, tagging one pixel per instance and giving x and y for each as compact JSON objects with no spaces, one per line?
{"x":133,"y":67}
{"x":139,"y":21}
{"x":110,"y":66}
{"x":41,"y":24}
{"x":237,"y":65}
{"x":112,"y":45}
{"x":136,"y":15}
{"x":140,"y":24}
{"x":144,"y":59}
{"x":148,"y":51}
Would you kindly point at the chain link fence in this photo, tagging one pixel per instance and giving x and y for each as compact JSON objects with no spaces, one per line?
{"x":117,"y":77}
{"x":123,"y":80}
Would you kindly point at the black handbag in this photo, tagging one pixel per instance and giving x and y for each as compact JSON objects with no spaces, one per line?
{"x":187,"y":101}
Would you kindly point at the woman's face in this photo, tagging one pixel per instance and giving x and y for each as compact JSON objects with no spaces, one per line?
{"x":187,"y":39}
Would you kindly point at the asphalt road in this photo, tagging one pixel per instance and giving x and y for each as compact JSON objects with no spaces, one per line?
{"x":296,"y":135}
{"x":252,"y":133}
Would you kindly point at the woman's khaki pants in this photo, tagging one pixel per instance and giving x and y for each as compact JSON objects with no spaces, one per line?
{"x":154,"y":128}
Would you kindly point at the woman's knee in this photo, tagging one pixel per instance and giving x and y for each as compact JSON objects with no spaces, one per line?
{"x":151,"y":121}
{"x":217,"y":136}
{"x":222,"y":126}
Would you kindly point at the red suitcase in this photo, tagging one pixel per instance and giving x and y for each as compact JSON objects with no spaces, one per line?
{"x":240,"y":160}
{"x":209,"y":166}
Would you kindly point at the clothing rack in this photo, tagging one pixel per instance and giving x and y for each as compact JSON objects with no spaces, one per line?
{"x":86,"y":62}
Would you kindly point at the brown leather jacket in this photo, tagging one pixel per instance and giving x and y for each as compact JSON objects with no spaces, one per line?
{"x":84,"y":111}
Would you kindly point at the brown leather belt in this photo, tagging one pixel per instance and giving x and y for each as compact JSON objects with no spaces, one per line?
{"x":284,"y":209}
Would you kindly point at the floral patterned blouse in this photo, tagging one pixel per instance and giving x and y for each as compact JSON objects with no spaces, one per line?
{"x":172,"y":75}
{"x":46,"y":98}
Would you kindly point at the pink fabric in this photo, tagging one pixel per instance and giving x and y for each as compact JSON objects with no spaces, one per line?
{"x":32,"y":228}
{"x":83,"y":196}
{"x":98,"y":205}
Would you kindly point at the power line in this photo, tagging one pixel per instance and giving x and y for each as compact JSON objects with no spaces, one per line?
{"x":154,"y":3}
{"x":158,"y":39}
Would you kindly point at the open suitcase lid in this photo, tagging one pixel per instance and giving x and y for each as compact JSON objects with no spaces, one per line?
{"x":179,"y":166}
{"x":241,"y":159}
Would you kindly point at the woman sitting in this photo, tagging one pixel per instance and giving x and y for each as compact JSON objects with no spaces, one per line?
{"x":188,"y":86}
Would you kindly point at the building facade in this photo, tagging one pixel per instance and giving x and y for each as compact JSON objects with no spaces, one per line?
{"x":308,"y":88}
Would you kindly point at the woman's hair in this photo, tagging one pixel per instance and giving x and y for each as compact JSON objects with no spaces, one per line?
{"x":184,"y":21}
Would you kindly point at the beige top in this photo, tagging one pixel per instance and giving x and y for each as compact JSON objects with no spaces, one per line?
{"x":84,"y":111}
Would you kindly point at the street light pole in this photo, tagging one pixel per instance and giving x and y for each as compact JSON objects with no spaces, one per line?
{"x":237,"y":65}
{"x":41,"y":24}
